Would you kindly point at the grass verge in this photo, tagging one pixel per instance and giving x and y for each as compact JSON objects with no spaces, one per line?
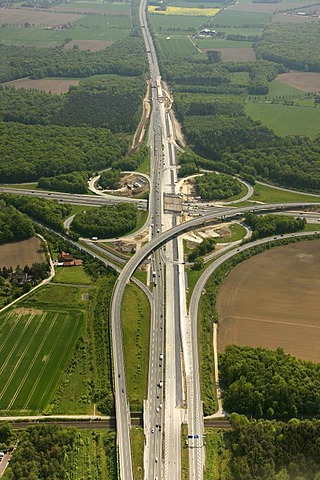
{"x":184,"y":453}
{"x":217,"y":455}
{"x":266,"y":194}
{"x":137,"y":448}
{"x":135,"y":318}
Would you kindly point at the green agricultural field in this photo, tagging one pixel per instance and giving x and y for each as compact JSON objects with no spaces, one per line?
{"x":175,"y":24}
{"x":103,"y":21}
{"x":112,"y":7}
{"x":176,"y":46}
{"x":277,"y":89}
{"x":39,"y":37}
{"x":135,"y":318}
{"x":266,"y":194}
{"x":238,"y":18}
{"x":285,"y":119}
{"x":220,"y":43}
{"x":35,"y":346}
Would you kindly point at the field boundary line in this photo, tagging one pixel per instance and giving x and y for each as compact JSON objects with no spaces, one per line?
{"x":40,"y":374}
{"x":292,"y":324}
{"x":17,"y":365}
{"x":61,"y":357}
{"x":4,"y":365}
{"x":35,"y":357}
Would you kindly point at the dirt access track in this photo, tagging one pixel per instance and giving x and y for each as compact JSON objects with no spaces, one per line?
{"x":272,"y":300}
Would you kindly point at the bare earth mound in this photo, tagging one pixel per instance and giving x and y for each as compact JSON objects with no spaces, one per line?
{"x":92,"y":45}
{"x":44,"y":84}
{"x":272,"y":300}
{"x":306,"y":81}
{"x":22,"y":253}
{"x":234,"y":54}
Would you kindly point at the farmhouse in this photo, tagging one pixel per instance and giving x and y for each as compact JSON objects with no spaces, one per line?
{"x":66,"y":259}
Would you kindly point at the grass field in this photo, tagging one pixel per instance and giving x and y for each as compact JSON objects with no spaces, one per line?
{"x":265,"y":194}
{"x":103,"y":21}
{"x":271,"y":300}
{"x":236,"y":232}
{"x":175,"y":24}
{"x":277,"y":88}
{"x":285,"y":119}
{"x":114,"y":8}
{"x":135,"y":318}
{"x":176,"y":46}
{"x":35,"y":347}
{"x":75,"y":275}
{"x":231,"y":18}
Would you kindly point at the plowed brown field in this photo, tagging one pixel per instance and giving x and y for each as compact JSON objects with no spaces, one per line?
{"x":272,"y":300}
{"x":22,"y":253}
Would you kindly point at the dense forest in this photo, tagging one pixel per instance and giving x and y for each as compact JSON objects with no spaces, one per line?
{"x":267,"y":225}
{"x":271,"y":450}
{"x":113,"y":102}
{"x":29,"y":152}
{"x":106,"y":222}
{"x":48,"y":212}
{"x":217,"y":128}
{"x":14,"y":225}
{"x":274,"y":384}
{"x":214,"y":186}
{"x":125,"y":57}
{"x":55,"y":452}
{"x":295,"y":45}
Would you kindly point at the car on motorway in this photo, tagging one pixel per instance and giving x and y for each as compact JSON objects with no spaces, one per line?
{"x":152,"y":430}
{"x":157,"y":409}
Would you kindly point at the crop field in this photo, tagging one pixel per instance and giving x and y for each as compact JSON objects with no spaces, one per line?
{"x":306,"y":81}
{"x":15,"y":17}
{"x":272,"y":300}
{"x":24,"y":252}
{"x":112,"y":8}
{"x":103,"y":21}
{"x":175,"y":24}
{"x":35,"y":345}
{"x":175,"y":45}
{"x":234,"y":54}
{"x":286,"y":119}
{"x":218,"y":43}
{"x":92,"y":45}
{"x":193,"y":11}
{"x":53,"y":85}
{"x":232,"y":18}
{"x":39,"y":37}
{"x":266,"y":7}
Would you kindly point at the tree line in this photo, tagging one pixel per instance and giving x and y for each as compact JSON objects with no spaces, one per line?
{"x":267,"y":225}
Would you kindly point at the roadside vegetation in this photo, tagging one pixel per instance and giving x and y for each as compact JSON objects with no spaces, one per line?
{"x":137,"y":449}
{"x":135,"y":319}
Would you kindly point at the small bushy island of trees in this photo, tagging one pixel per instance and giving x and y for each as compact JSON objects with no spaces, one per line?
{"x":267,"y":225}
{"x":106,"y":222}
{"x":214,"y":186}
{"x":272,"y":384}
{"x":110,"y":179}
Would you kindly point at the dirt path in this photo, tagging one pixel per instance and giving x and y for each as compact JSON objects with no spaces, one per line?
{"x":141,"y":128}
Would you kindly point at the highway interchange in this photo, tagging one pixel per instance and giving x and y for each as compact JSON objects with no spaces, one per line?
{"x":173,"y":395}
